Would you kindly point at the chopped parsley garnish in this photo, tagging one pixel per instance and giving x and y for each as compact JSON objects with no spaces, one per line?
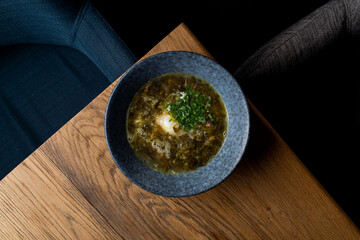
{"x":191,"y":109}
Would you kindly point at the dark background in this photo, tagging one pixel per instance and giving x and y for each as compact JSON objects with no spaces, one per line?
{"x":314,"y":107}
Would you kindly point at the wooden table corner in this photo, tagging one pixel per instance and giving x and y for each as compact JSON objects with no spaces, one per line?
{"x":71,"y":188}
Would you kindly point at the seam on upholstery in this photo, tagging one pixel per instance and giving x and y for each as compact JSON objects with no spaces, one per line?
{"x":78,"y":21}
{"x":286,"y":40}
{"x":270,"y":54}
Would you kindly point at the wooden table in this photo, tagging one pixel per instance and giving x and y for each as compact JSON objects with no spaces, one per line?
{"x":70,"y":188}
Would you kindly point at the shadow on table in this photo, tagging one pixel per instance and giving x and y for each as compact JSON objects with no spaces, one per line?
{"x":261,"y":140}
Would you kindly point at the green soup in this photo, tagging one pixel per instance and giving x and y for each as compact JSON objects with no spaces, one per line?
{"x":176,"y":123}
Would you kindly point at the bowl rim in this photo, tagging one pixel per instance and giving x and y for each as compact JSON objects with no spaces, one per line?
{"x":127,"y":175}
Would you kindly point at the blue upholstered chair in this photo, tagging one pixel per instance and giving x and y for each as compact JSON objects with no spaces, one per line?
{"x":55,"y":57}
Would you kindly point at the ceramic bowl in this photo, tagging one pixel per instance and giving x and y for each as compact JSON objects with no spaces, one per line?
{"x":203,"y":178}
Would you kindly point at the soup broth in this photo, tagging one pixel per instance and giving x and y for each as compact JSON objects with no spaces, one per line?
{"x":176,"y":123}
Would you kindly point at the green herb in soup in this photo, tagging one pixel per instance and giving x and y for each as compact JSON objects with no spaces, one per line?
{"x":176,"y":123}
{"x":191,"y":109}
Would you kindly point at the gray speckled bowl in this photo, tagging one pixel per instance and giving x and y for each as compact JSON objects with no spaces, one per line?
{"x":203,"y":178}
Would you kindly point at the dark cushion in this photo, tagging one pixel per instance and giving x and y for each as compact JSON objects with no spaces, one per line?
{"x":41,"y":88}
{"x":56,"y":56}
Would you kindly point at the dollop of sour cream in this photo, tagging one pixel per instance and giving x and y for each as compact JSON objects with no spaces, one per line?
{"x":167,"y":123}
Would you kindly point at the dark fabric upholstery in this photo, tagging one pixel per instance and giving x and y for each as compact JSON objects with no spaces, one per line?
{"x":38,"y":21}
{"x":37,"y":99}
{"x":305,"y":81}
{"x":304,"y":39}
{"x":55,"y":57}
{"x":96,"y":39}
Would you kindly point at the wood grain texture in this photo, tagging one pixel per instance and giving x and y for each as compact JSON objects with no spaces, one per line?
{"x":38,"y":202}
{"x":270,"y":195}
